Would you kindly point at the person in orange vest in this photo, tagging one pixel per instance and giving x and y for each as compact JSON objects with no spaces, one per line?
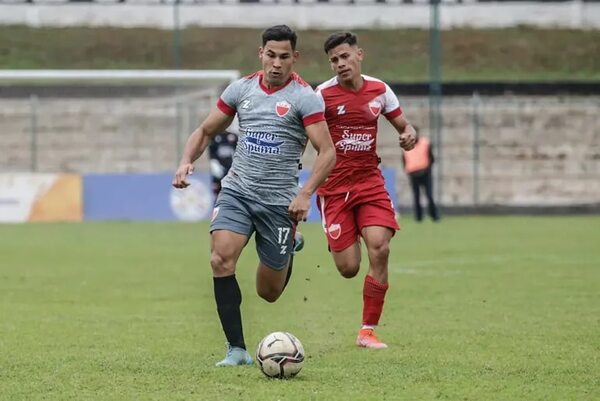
{"x":417,"y":164}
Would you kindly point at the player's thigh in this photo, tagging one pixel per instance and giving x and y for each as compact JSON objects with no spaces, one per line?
{"x":230,"y":228}
{"x":347,"y":261}
{"x":339,"y":224}
{"x":274,"y":245}
{"x":377,"y":237}
{"x":376,"y":209}
{"x":274,"y":235}
{"x":226,"y":247}
{"x":232,"y":212}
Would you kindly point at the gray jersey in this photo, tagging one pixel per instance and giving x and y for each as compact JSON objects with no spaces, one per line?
{"x":272,"y":136}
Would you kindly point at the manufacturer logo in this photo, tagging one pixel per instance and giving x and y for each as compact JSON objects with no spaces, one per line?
{"x":341,"y":109}
{"x":282,"y":108}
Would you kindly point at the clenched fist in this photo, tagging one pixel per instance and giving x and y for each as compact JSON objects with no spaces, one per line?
{"x":407,"y":140}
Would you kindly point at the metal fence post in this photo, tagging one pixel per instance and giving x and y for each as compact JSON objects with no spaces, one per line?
{"x":435,"y":91}
{"x":475,"y":102}
{"x":177,"y":53}
{"x":33,"y":115}
{"x":178,"y":129}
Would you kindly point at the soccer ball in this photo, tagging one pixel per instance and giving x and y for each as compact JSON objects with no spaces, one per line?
{"x":280,"y":355}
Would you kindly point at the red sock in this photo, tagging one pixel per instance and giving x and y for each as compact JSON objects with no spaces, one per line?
{"x":373,"y":297}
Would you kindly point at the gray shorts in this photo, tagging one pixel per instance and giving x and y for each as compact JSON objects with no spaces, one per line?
{"x":273,"y":226}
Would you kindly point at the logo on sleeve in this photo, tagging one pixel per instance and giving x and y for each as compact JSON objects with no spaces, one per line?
{"x":282,"y":108}
{"x":375,"y":107}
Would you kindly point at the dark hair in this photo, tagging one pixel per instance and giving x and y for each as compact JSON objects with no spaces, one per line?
{"x":336,"y":39}
{"x":279,"y":33}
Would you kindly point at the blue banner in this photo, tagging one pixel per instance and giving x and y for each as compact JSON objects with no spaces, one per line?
{"x":150,"y":197}
{"x":146,"y":197}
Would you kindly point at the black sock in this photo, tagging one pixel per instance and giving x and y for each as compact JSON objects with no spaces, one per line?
{"x":289,"y":272}
{"x":229,"y":298}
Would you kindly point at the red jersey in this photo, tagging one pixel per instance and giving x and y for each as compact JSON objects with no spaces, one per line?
{"x":352,"y":120}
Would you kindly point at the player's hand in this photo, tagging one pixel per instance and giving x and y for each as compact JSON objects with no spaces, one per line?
{"x":407,"y":140}
{"x":299,"y":207}
{"x":179,"y":181}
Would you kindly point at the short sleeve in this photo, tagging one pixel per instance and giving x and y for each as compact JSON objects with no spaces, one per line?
{"x":228,"y":100}
{"x":391,"y":108}
{"x":312,"y":108}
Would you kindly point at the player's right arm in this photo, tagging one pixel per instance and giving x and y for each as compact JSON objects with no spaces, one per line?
{"x":216,"y":121}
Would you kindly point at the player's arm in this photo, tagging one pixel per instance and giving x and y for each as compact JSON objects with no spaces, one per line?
{"x":216,"y":121}
{"x":408,"y":135}
{"x":318,"y":135}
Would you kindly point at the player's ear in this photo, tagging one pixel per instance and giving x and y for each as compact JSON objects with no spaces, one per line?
{"x":260,"y":52}
{"x":361,"y":53}
{"x":296,"y":55}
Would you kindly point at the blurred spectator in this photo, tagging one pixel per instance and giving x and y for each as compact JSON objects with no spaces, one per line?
{"x":220,"y":153}
{"x":417,"y":164}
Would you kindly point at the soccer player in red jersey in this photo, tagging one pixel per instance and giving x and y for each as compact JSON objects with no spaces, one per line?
{"x":353,"y":202}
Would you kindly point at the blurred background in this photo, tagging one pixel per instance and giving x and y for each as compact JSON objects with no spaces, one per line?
{"x":98,"y":97}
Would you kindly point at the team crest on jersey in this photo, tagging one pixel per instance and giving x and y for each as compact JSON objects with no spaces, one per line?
{"x":282,"y":108}
{"x":334,"y":231}
{"x":375,"y":107}
{"x":215,"y":212}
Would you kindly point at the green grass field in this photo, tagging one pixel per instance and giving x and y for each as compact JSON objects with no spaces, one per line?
{"x":514,"y":54}
{"x":479,"y":308}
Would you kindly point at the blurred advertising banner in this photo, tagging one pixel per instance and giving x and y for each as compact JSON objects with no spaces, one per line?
{"x":29,"y":197}
{"x":146,"y":197}
{"x":151,"y":197}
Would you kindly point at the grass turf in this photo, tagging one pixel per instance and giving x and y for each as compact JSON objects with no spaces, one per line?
{"x":515,"y":54}
{"x":479,"y":308}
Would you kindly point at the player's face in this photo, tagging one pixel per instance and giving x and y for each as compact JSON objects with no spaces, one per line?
{"x":278,"y":59}
{"x":345,"y":61}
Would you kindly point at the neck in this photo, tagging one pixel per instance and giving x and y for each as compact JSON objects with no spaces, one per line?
{"x":353,"y":84}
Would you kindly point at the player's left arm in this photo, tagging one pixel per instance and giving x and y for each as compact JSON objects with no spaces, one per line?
{"x":393,"y":112}
{"x":319,"y":137}
{"x":408,"y":135}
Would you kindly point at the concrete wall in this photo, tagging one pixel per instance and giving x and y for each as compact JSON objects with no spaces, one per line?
{"x":532,"y":151}
{"x":572,"y":14}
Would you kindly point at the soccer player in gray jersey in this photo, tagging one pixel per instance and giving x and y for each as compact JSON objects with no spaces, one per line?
{"x":278,"y":113}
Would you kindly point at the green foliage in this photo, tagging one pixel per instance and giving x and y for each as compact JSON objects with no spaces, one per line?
{"x":479,"y":308}
{"x":395,"y":55}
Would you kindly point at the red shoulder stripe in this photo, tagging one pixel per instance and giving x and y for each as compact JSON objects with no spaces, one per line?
{"x":225,"y":108}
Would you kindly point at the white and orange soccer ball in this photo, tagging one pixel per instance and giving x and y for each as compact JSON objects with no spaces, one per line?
{"x":280,"y":355}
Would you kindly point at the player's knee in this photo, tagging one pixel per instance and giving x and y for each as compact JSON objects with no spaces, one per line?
{"x":348,"y":269}
{"x":221,"y":265}
{"x":268,"y":294}
{"x":379,"y":250}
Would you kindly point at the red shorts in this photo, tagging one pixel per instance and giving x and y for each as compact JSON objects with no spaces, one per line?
{"x":345,"y":215}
